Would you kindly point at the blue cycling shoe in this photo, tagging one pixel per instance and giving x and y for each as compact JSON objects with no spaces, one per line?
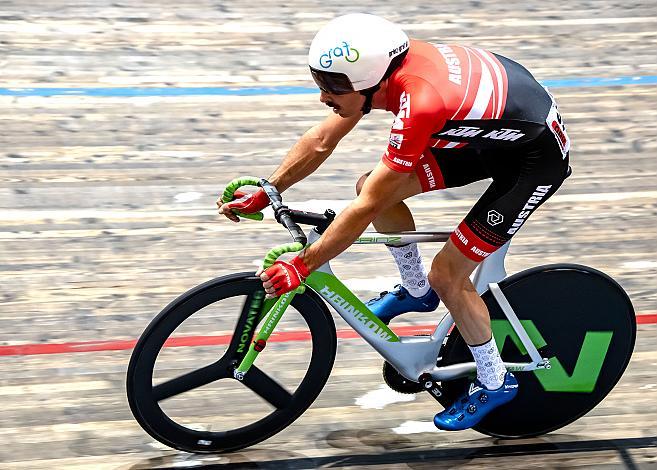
{"x":390,"y":304}
{"x":475,"y":403}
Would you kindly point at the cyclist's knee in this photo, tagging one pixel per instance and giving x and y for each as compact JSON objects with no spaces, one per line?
{"x":441,"y":280}
{"x":361,"y":182}
{"x":448,"y":280}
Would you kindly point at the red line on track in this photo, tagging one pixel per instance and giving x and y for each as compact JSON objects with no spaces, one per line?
{"x":280,"y":337}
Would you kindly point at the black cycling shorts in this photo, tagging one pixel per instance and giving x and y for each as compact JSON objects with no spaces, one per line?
{"x":524,"y":177}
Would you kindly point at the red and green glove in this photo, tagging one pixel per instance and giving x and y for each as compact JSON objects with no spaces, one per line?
{"x":248,"y":203}
{"x":283,"y":277}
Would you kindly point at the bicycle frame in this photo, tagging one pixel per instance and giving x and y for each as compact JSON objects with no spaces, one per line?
{"x":411,"y":356}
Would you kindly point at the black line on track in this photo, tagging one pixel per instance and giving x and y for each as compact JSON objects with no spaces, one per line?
{"x":627,"y":459}
{"x":446,"y":456}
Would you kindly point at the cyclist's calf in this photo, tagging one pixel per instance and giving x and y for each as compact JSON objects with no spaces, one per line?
{"x":450,"y":278}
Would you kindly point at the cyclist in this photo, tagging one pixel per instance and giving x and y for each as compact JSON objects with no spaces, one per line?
{"x":462,"y":114}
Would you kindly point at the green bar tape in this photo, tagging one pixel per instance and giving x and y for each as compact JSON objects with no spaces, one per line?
{"x":237,"y":183}
{"x":255,"y":216}
{"x":275,"y":252}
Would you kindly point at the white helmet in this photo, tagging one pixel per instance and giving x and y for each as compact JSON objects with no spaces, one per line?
{"x":354,"y":52}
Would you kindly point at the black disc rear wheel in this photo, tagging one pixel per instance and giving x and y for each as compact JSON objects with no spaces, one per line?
{"x":581,"y":320}
{"x":187,"y":397}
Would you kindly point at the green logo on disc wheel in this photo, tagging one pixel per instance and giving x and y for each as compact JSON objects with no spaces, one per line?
{"x":587,"y":368}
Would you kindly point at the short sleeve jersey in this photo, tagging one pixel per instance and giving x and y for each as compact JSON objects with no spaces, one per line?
{"x":450,"y":96}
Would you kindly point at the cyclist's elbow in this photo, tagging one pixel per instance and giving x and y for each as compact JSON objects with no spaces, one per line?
{"x":321,"y":143}
{"x":323,"y":150}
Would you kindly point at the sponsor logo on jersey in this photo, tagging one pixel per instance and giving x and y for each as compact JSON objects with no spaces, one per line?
{"x":504,"y":134}
{"x":453,"y":63}
{"x":556,"y":125}
{"x":461,"y":237}
{"x":479,"y":252}
{"x":494,"y":217}
{"x":396,"y":140}
{"x":404,"y":105}
{"x":399,"y":161}
{"x":429,"y":173}
{"x":533,"y":201}
{"x":398,"y":50}
{"x":463,"y":131}
{"x":349,"y":54}
{"x":561,"y":137}
{"x":404,"y":111}
{"x":473,"y":248}
{"x":495,"y":134}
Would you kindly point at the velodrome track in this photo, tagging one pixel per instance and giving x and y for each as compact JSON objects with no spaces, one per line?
{"x":107,"y":194}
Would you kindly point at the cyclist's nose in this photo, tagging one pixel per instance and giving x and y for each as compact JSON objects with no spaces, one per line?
{"x":324,"y":97}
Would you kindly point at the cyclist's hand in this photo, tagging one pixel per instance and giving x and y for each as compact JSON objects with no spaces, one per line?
{"x":243,"y":202}
{"x":283,"y":277}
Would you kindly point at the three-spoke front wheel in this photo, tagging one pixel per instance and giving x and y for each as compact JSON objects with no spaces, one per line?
{"x":180,"y":381}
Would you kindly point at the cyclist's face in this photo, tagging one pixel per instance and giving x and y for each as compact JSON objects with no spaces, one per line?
{"x":346,"y":105}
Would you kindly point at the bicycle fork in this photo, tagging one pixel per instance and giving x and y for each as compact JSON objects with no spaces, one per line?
{"x":260,"y":341}
{"x":272,"y":317}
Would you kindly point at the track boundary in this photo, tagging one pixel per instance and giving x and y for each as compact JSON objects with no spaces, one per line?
{"x":35,"y":349}
{"x":136,"y":92}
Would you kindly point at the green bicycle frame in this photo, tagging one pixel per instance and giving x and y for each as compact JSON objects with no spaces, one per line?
{"x":412,"y":356}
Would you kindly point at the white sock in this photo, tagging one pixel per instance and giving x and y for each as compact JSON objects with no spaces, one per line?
{"x":490,"y":368}
{"x":412,"y":272}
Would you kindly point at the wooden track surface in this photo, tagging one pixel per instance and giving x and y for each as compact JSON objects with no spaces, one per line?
{"x":106,"y":214}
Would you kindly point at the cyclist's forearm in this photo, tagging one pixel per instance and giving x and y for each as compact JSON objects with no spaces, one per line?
{"x":376,"y":195}
{"x":341,"y":234}
{"x":301,"y":161}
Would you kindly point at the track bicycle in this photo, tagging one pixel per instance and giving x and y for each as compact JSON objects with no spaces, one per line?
{"x":567,"y":331}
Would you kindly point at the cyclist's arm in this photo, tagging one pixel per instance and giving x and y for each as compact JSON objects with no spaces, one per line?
{"x":352,"y":222}
{"x":395,"y":170}
{"x":311,"y":150}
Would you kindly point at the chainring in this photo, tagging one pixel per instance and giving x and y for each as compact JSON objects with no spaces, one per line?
{"x":398,"y":382}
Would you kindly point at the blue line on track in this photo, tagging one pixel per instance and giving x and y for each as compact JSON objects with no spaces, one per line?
{"x":283,"y":90}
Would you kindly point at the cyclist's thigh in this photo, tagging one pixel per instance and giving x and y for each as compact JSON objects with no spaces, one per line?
{"x":523,"y":179}
{"x":409,"y":188}
{"x":450,"y":168}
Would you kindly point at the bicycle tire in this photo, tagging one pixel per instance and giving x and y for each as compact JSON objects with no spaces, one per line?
{"x":579,"y":298}
{"x":143,"y":397}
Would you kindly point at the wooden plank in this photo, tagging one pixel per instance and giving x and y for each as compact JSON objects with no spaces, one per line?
{"x":106,"y":215}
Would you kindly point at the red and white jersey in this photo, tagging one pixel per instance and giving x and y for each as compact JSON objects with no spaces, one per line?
{"x":450,"y":96}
